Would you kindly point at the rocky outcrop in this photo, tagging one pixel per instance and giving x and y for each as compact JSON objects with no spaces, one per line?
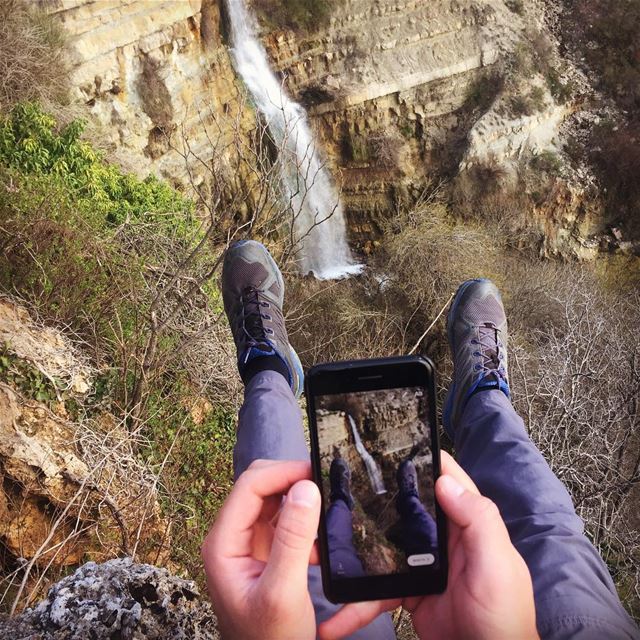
{"x":155,"y":75}
{"x":70,"y":490}
{"x":117,"y":599}
{"x":45,"y":348}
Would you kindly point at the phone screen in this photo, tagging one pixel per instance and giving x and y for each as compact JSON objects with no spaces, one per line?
{"x":376,"y":466}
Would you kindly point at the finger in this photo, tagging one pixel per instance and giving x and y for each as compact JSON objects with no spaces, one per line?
{"x":285,"y":575}
{"x":451,"y":468}
{"x":232,"y":531}
{"x":483,"y":534}
{"x":353,"y":617}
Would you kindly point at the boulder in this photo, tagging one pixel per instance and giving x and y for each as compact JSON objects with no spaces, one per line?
{"x":117,"y":599}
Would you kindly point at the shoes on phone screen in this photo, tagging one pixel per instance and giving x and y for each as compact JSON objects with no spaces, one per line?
{"x":253,"y":295}
{"x":407,"y":478}
{"x":340,"y":482}
{"x":477,"y":333}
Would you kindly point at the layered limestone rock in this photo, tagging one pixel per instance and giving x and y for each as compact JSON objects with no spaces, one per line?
{"x":155,"y":75}
{"x":389,"y":86}
{"x":387,"y":83}
{"x":117,"y":599}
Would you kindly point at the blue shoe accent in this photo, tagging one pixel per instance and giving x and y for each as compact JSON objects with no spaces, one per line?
{"x":294,"y":378}
{"x":252,"y":353}
{"x":299,"y":377}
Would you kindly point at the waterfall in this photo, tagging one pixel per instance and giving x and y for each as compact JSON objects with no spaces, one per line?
{"x":318,"y":218}
{"x":373,"y":470}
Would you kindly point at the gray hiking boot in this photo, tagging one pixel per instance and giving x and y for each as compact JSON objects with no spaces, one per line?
{"x":407,"y":478}
{"x":477,"y":332}
{"x":253,"y":294}
{"x":340,"y":482}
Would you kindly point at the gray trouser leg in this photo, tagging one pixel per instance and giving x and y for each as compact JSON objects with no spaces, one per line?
{"x":574,"y":593}
{"x":270,"y":427}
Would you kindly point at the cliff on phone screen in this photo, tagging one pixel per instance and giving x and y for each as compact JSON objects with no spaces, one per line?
{"x":374,"y":432}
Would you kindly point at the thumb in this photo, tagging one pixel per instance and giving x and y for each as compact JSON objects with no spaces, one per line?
{"x":483,"y":534}
{"x":292,"y":541}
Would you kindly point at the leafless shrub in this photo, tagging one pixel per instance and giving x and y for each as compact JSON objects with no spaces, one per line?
{"x":341,"y":320}
{"x":32,"y":55}
{"x":499,"y":199}
{"x":108,"y":510}
{"x":385,"y":149}
{"x":576,"y":382}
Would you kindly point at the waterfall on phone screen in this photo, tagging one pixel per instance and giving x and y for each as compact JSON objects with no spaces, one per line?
{"x":373,"y":470}
{"x":318,"y":221}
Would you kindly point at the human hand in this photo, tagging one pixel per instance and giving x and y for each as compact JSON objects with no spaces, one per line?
{"x":257,"y":569}
{"x":489,"y":593}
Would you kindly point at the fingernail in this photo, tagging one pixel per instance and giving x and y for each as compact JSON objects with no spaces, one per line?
{"x":450,"y":486}
{"x":304,"y":493}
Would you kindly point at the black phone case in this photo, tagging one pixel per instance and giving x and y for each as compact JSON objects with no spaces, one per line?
{"x":348,"y":376}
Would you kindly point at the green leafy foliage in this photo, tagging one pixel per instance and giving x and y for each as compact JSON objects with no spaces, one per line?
{"x":22,"y":375}
{"x":31,"y":143}
{"x":60,"y":207}
{"x":194,"y":441}
{"x":483,"y":91}
{"x":549,"y":162}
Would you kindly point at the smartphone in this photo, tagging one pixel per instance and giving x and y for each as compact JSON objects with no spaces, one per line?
{"x":376,"y":457}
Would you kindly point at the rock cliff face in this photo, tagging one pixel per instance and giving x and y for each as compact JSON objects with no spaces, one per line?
{"x":387,"y":82}
{"x":153,"y":74}
{"x":389,"y":86}
{"x":70,"y":490}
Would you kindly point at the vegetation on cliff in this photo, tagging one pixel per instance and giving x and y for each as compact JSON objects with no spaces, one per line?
{"x":306,"y":16}
{"x":89,"y":248}
{"x":605,"y":34}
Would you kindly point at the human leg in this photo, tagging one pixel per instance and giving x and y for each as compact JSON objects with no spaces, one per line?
{"x":419,"y":533}
{"x":269,"y":423}
{"x":342,"y":554}
{"x":574,"y":593}
{"x":270,"y":420}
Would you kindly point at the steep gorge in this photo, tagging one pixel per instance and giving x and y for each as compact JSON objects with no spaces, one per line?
{"x":401,"y":94}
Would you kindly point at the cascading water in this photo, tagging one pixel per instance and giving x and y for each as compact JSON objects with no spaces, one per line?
{"x":373,"y":470}
{"x":318,"y":219}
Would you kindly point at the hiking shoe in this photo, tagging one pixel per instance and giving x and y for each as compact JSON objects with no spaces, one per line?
{"x":253,"y":294}
{"x":477,"y":332}
{"x":340,"y":482}
{"x":407,"y":478}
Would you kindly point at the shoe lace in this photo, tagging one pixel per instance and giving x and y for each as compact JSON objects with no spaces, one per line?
{"x":253,"y":317}
{"x":491,"y":349}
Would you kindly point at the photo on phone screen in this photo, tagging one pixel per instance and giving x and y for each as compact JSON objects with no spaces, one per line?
{"x":383,"y":520}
